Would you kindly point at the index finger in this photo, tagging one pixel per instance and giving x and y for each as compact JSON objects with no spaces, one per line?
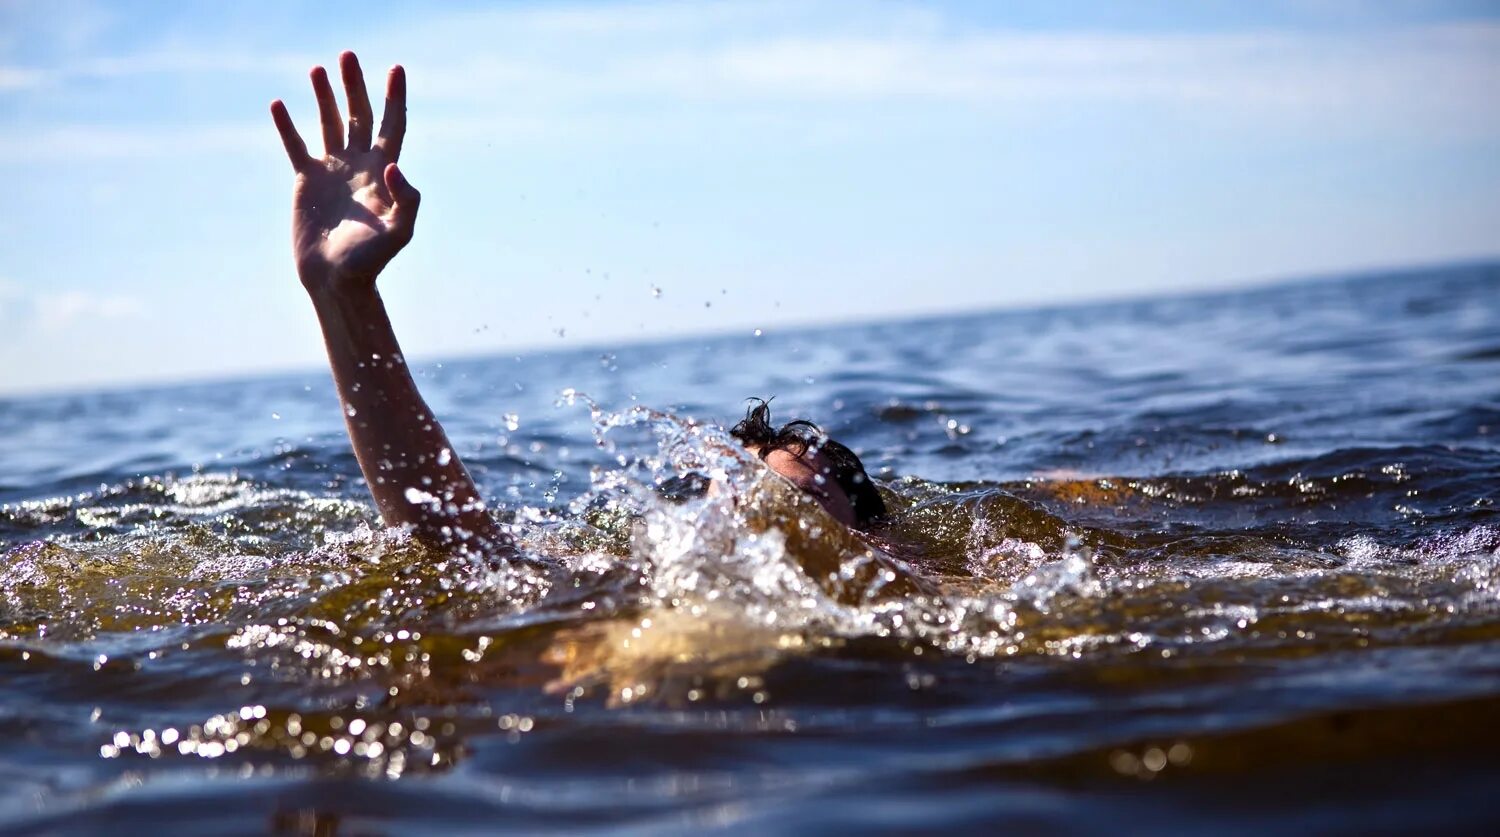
{"x":296,"y":149}
{"x":393,"y":123}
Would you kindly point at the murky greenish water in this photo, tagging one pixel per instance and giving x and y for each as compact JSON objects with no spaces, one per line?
{"x":1225,"y":563}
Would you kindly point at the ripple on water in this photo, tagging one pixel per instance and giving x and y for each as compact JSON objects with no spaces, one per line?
{"x":1255,"y":591}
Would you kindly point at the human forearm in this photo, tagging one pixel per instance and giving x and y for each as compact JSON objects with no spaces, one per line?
{"x":352,"y":212}
{"x":414,"y":476}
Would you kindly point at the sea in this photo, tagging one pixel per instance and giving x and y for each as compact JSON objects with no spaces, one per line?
{"x":1220,"y":563}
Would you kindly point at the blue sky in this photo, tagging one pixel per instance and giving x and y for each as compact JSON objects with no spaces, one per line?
{"x":600,"y":172}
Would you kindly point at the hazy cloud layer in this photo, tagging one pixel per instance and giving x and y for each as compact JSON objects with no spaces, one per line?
{"x":527,"y":73}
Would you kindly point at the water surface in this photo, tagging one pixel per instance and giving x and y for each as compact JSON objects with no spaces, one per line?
{"x":1225,"y":562}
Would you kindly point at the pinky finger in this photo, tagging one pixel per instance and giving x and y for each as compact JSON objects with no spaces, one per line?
{"x":296,"y":149}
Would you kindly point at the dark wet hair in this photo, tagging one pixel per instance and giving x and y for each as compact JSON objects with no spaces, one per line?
{"x":803,"y":435}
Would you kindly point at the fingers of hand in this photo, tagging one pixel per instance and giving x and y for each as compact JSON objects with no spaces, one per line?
{"x":401,"y":189}
{"x":296,"y":149}
{"x":328,"y":112}
{"x":392,"y":127}
{"x":407,"y":199}
{"x":393,"y":123}
{"x":361,"y":119}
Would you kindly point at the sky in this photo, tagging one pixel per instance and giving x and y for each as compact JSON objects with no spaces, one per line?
{"x":602,"y":172}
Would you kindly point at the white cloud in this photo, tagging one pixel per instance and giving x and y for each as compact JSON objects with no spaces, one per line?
{"x":72,"y":26}
{"x":55,"y":311}
{"x":173,"y":63}
{"x":545,"y":69}
{"x":238,"y":62}
{"x":106,"y":142}
{"x":737,"y":50}
{"x":20,"y":78}
{"x":1427,"y":84}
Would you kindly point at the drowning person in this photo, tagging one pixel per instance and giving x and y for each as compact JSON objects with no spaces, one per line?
{"x":352,"y":211}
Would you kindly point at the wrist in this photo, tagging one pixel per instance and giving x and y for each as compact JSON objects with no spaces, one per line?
{"x":333,"y":299}
{"x":325,"y":283}
{"x":343,"y":298}
{"x":354,"y":323}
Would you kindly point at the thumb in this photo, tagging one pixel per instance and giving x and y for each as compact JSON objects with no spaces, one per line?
{"x":406,"y":196}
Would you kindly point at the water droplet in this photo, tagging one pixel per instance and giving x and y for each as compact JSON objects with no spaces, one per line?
{"x":1154,"y":759}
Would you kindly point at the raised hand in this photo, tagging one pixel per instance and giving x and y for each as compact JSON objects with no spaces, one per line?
{"x":352,"y":209}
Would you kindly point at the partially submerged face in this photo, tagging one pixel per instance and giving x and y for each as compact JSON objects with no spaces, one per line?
{"x":811,"y":472}
{"x":828,"y":471}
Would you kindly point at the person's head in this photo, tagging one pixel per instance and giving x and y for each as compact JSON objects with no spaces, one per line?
{"x":804,"y":454}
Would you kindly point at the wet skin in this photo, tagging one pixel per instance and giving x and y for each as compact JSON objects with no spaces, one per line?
{"x":811,"y":472}
{"x":353,"y":210}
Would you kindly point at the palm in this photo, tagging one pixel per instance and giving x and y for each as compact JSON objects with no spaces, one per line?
{"x":352,"y":210}
{"x":342,"y":214}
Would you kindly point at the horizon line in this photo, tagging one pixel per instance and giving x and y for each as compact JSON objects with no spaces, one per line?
{"x":525,"y":350}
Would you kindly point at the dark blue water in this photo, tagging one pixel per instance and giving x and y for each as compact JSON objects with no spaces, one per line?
{"x":1223,"y":563}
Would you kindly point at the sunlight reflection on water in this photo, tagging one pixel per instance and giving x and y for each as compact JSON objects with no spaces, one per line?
{"x":1201,"y":545}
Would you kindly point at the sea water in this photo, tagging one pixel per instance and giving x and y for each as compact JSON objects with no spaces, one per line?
{"x":1225,"y":562}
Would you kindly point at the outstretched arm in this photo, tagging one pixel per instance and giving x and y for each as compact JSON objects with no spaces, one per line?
{"x":352,"y":211}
